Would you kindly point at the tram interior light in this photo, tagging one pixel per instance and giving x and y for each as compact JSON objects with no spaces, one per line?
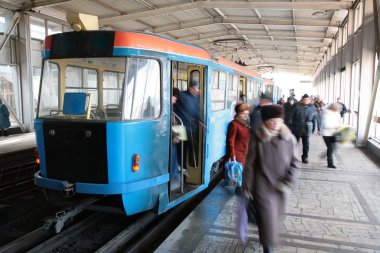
{"x":82,"y":22}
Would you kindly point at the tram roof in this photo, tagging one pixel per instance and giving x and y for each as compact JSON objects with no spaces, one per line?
{"x":152,"y":42}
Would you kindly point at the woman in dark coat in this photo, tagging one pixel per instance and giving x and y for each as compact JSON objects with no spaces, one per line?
{"x":238,"y":134}
{"x":269,"y":172}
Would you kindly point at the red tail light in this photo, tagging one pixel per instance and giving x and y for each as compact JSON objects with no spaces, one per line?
{"x":136,"y":163}
{"x":37,"y":157}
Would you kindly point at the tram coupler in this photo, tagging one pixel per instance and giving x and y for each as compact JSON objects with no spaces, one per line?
{"x":58,"y":222}
{"x":68,"y":190}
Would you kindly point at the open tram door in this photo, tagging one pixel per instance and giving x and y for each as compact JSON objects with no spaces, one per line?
{"x":189,"y":111}
{"x":194,"y":154}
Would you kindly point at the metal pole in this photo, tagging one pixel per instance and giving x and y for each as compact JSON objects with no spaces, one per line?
{"x":181,"y":181}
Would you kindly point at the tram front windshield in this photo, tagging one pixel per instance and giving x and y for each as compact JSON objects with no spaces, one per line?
{"x":107,"y":88}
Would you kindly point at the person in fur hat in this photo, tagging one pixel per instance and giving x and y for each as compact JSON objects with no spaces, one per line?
{"x":269,"y":172}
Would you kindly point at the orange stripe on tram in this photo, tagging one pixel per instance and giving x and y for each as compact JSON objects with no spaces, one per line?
{"x":149,"y":42}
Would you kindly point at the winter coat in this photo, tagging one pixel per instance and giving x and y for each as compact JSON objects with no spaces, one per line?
{"x":255,"y":118}
{"x":304,"y":119}
{"x":331,"y":121}
{"x":289,"y":112}
{"x":237,"y":141}
{"x":318,"y":106}
{"x":188,"y":109}
{"x":4,"y":117}
{"x":270,"y":163}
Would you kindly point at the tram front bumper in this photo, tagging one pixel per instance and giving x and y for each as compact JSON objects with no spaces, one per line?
{"x":108,"y":189}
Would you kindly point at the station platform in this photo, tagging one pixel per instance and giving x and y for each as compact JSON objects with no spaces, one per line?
{"x":329,"y":210}
{"x":17,"y":142}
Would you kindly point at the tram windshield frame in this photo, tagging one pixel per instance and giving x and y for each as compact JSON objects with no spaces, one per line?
{"x":116,"y":88}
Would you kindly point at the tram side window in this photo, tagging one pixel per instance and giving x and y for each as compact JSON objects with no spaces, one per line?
{"x":250,"y":92}
{"x":218,"y":90}
{"x":80,"y":79}
{"x":232,"y":88}
{"x":49,"y":90}
{"x":112,"y":91}
{"x":143,"y":89}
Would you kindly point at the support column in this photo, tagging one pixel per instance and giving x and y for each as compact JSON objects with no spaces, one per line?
{"x":26,"y":80}
{"x":367,"y":71}
{"x":349,"y":56}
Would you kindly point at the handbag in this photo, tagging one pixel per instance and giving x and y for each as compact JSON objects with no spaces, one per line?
{"x":337,"y":137}
{"x":233,"y":173}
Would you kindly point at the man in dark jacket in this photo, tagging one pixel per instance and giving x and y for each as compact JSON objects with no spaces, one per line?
{"x":188,"y":109}
{"x":255,"y":116}
{"x":304,"y":124}
{"x":342,"y":107}
{"x":289,"y":108}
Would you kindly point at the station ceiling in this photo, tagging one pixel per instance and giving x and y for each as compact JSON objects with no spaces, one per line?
{"x":266,"y":36}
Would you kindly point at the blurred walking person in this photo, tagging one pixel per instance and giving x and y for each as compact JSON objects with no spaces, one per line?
{"x":342,"y":107}
{"x":304,"y":124}
{"x":331,"y":121}
{"x":269,"y":172}
{"x":255,"y":116}
{"x":4,"y":119}
{"x":319,"y":104}
{"x":289,"y":108}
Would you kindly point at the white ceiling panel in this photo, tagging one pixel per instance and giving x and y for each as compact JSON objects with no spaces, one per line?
{"x":275,"y":31}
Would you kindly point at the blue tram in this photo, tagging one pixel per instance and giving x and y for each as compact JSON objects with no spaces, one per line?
{"x":104,"y":123}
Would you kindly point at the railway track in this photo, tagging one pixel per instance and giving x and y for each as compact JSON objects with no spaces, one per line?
{"x":104,"y":232}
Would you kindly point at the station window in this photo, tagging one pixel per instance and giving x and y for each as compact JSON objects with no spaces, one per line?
{"x":6,"y":19}
{"x":345,"y":34}
{"x":9,"y":88}
{"x":37,"y":28}
{"x":358,"y":16}
{"x":218,"y":91}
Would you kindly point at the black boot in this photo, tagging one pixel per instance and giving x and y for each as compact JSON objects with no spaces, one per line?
{"x":268,"y":250}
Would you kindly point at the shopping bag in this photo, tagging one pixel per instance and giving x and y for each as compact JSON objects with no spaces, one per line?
{"x":337,"y":137}
{"x":242,"y":220}
{"x":233,"y":173}
{"x":346,"y":133}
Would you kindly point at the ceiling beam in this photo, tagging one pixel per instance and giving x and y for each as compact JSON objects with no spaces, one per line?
{"x":276,"y":55}
{"x":244,"y":21}
{"x":44,"y":3}
{"x":107,"y":7}
{"x":274,"y":5}
{"x":258,"y":68}
{"x":254,"y":34}
{"x":273,"y":61}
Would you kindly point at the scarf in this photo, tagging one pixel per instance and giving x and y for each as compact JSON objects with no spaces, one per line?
{"x":270,"y":133}
{"x":243,"y":122}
